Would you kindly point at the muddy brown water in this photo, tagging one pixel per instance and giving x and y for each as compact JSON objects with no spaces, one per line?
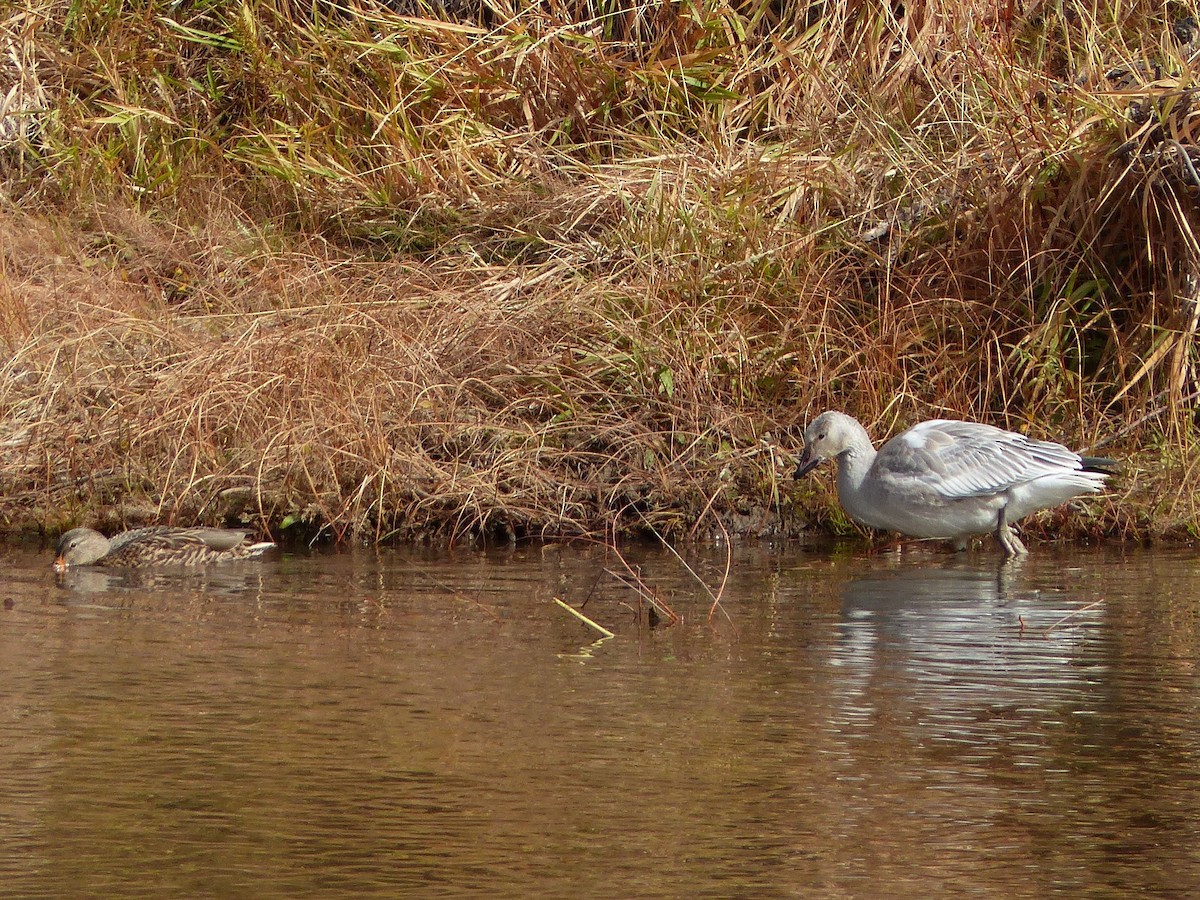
{"x":407,"y":723}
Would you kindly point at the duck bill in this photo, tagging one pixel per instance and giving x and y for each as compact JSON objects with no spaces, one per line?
{"x":807,"y":463}
{"x":60,"y":564}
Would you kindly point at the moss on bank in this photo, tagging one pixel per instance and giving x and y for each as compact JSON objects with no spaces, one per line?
{"x":561,"y":270}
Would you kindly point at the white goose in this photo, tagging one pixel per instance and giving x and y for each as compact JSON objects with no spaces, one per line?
{"x":947,"y":479}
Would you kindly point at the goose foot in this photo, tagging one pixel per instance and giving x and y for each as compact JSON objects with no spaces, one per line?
{"x":1007,"y":538}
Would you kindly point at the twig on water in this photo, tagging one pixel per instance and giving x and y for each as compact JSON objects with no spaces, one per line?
{"x":581,"y":617}
{"x":716,"y":598}
{"x":658,"y":606}
{"x":1074,"y":613}
{"x":635,"y":583}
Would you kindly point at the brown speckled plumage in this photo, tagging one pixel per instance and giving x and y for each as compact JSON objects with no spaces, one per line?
{"x":155,"y":546}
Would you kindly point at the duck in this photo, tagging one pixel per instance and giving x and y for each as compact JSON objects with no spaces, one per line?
{"x":949,"y":479}
{"x":156,"y":545}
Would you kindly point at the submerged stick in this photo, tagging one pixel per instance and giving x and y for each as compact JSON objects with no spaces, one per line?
{"x":581,"y":617}
{"x":716,"y":598}
{"x":1074,"y":613}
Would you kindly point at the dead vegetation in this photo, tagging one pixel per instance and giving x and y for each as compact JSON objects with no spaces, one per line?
{"x":381,"y":399}
{"x":403,"y":270}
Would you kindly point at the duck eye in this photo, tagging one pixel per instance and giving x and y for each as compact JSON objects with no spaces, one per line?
{"x":821,"y":436}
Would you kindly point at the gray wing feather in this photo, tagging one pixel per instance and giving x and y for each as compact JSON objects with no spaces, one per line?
{"x":959,"y":460}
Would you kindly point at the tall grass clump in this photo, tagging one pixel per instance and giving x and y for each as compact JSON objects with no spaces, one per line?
{"x":409,"y":268}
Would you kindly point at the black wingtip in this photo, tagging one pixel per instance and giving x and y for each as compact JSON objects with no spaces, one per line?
{"x":1100,"y":464}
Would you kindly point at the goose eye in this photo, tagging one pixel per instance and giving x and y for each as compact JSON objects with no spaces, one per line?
{"x":821,"y":436}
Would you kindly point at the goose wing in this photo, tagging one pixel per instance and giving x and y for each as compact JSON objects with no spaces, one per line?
{"x":958,"y":460}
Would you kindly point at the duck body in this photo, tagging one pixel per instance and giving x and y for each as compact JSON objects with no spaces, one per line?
{"x":949,"y":479}
{"x":155,"y":546}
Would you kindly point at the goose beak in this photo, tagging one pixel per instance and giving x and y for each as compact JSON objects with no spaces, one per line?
{"x":807,"y":463}
{"x":60,"y":564}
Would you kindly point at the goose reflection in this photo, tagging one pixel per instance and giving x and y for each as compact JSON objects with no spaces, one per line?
{"x":956,"y":644}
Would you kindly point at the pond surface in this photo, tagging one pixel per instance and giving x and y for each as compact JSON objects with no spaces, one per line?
{"x":409,"y":723}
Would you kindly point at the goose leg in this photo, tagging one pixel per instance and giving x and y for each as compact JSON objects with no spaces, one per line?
{"x":1007,"y":537}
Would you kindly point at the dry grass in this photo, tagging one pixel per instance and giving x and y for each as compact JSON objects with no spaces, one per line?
{"x":569,"y":268}
{"x":381,"y":399}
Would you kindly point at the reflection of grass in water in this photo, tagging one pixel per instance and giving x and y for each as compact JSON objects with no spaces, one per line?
{"x":510,"y":272}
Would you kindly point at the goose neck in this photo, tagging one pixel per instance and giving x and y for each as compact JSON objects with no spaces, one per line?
{"x":853,"y":465}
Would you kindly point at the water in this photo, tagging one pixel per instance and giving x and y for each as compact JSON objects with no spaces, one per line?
{"x":420,"y":724}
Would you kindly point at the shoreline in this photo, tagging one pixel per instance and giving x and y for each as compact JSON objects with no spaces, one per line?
{"x":429,"y":296}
